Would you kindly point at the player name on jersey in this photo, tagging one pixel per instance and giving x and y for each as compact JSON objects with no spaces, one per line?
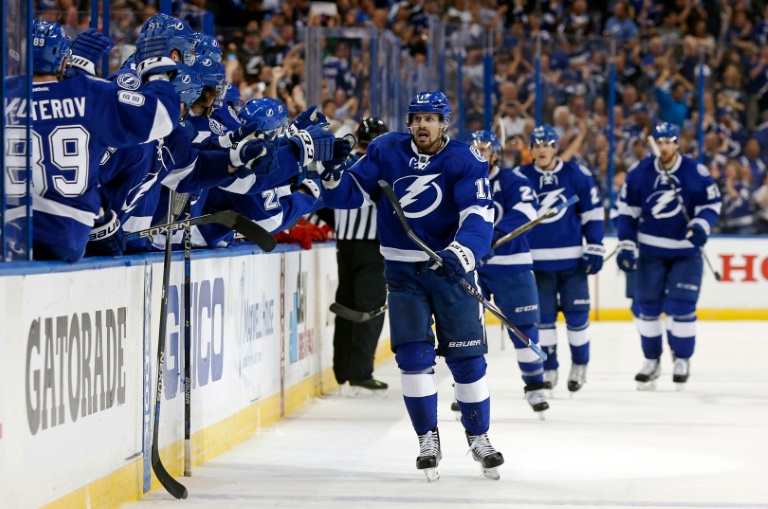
{"x":45,"y":109}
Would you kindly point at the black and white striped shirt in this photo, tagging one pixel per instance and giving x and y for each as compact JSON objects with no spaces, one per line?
{"x":356,"y":224}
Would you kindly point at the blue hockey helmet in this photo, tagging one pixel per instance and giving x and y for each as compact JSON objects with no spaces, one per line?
{"x":183,"y":38}
{"x":271,"y":114}
{"x":187,"y":83}
{"x":488,"y":139}
{"x":666,"y":130}
{"x":229,"y":95}
{"x":158,"y":20}
{"x":208,"y":46}
{"x":210,"y":71}
{"x":430,"y":102}
{"x":544,"y":134}
{"x":50,"y":47}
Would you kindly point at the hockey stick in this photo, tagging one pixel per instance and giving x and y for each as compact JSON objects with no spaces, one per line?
{"x":187,"y":347}
{"x":530,"y":224}
{"x":356,"y":316}
{"x":474,"y":292}
{"x":657,"y":153}
{"x":171,"y":485}
{"x":228,"y":218}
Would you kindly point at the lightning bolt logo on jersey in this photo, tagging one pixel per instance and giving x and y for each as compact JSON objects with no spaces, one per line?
{"x":420,"y":190}
{"x":446,"y":196}
{"x":650,"y":212}
{"x":550,"y":200}
{"x":556,"y":244}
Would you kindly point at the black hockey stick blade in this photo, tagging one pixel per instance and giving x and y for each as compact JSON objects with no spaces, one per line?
{"x":228,"y":218}
{"x":474,"y":292}
{"x":171,"y":485}
{"x":356,"y":316}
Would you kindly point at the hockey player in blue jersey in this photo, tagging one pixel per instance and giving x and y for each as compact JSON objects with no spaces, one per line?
{"x":444,"y":190}
{"x":70,"y":135}
{"x":507,"y":274}
{"x":561,"y":262}
{"x":275,"y":208}
{"x":657,"y":240}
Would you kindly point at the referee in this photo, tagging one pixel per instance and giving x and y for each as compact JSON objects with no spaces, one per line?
{"x":361,"y":282}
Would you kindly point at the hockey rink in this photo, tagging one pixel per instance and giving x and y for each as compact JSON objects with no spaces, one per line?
{"x":609,"y":445}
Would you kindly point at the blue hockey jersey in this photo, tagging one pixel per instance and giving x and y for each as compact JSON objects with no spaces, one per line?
{"x":556,"y":243}
{"x":446,"y":196}
{"x":650,"y":214}
{"x":515,"y":204}
{"x":74,"y":121}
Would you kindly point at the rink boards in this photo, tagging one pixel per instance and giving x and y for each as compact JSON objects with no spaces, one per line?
{"x":78,"y":358}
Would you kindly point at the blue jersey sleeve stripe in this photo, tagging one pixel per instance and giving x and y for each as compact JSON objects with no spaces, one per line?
{"x":527,"y":210}
{"x":42,"y":204}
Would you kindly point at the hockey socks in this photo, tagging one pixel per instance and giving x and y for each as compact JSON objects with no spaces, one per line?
{"x":650,"y":330}
{"x":472,"y":393}
{"x":548,"y":342}
{"x":578,"y":336}
{"x":420,"y":395}
{"x":531,"y":366}
{"x":682,"y":336}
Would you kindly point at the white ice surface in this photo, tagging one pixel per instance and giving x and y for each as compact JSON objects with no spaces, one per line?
{"x":607,"y":446}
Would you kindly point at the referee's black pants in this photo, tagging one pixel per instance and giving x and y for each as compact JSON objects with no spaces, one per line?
{"x":362,"y":288}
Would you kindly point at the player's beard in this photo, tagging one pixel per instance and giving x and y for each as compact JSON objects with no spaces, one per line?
{"x":667,"y":161}
{"x":430,"y":145}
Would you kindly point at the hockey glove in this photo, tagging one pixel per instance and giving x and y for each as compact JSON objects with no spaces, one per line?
{"x":592,"y":259}
{"x":153,"y":50}
{"x":698,"y":232}
{"x":342,"y":147}
{"x":457,"y":261}
{"x":305,"y":119}
{"x":226,"y":140}
{"x":253,"y":157}
{"x":626,"y":257}
{"x":107,"y":237}
{"x":313,"y":144}
{"x":87,"y":48}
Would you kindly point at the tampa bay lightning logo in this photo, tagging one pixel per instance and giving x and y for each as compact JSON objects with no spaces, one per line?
{"x":551,"y":199}
{"x":663,"y":204}
{"x":216,"y":127}
{"x":128,"y":81}
{"x":419,"y":195}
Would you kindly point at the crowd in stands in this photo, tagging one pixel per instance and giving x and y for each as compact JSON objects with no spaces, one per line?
{"x":658,"y":48}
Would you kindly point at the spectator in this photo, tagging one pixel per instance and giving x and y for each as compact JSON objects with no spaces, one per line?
{"x":736,"y":217}
{"x":673,"y":105}
{"x":760,"y":201}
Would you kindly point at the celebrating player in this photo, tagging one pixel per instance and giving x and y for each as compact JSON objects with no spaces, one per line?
{"x":444,"y":190}
{"x":507,"y":274}
{"x":560,"y":262}
{"x":669,"y":204}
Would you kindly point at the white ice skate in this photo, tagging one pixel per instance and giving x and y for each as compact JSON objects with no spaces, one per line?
{"x":534,"y":394}
{"x":550,"y":380}
{"x":680,"y":373}
{"x":577,"y":377}
{"x":484,"y":453}
{"x":429,"y":455}
{"x":646,"y":378}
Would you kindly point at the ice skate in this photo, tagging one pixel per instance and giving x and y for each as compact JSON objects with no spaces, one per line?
{"x":577,"y":377}
{"x":534,"y":394}
{"x":484,"y":453}
{"x":370,"y":387}
{"x":550,"y":380}
{"x":646,"y":378}
{"x":429,"y":454}
{"x":680,"y":373}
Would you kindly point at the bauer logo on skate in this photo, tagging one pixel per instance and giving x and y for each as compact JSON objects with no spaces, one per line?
{"x":74,"y":367}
